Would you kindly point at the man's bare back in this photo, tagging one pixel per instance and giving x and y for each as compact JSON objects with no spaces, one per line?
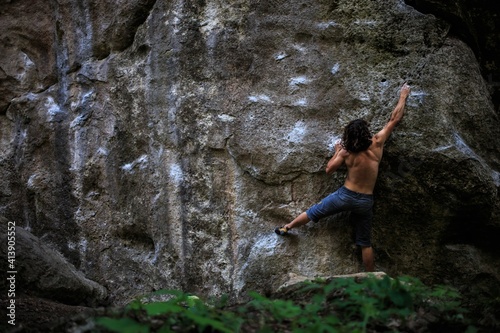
{"x":362,"y":168}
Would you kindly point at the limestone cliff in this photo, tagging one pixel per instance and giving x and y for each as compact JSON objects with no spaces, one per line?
{"x":156,"y":144}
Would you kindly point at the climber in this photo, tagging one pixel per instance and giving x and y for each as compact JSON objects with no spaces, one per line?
{"x":361,"y":153}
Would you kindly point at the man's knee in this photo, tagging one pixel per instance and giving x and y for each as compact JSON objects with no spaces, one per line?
{"x":367,"y":249}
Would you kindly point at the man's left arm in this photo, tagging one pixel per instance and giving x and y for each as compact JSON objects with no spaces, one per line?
{"x":337,"y":159}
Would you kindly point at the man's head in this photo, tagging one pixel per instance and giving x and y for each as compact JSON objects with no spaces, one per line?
{"x":357,"y":136}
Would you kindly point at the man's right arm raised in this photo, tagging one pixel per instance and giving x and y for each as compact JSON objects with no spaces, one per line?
{"x":396,"y":116}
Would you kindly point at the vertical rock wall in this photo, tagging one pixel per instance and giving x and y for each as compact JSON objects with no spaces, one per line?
{"x":156,"y":144}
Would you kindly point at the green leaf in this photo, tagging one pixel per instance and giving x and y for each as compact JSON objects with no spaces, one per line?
{"x":134,"y":305}
{"x":204,"y":321}
{"x":122,"y":325}
{"x":400,"y":298}
{"x":158,"y":308}
{"x":257,"y":296}
{"x":165,"y":329}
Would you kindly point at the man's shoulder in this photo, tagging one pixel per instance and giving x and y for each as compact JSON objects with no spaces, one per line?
{"x":377,"y":141}
{"x":375,"y":149}
{"x":344,"y":153}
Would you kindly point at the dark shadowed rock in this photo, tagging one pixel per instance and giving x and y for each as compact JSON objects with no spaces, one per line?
{"x":476,"y":23}
{"x":43,"y":272}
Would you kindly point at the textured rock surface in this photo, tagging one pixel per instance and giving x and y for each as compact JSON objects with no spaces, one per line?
{"x":158,"y":144}
{"x":43,"y":272}
{"x":475,"y":22}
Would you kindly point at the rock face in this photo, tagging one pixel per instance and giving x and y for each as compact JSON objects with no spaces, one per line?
{"x":475,"y":22}
{"x":46,"y":273}
{"x":158,"y":144}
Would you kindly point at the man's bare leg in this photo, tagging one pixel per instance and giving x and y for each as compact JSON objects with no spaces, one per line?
{"x":298,"y":221}
{"x":367,"y":255}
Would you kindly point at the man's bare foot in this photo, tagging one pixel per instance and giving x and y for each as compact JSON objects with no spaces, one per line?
{"x":283,"y":231}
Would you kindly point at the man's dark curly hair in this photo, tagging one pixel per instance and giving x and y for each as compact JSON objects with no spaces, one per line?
{"x":357,"y":136}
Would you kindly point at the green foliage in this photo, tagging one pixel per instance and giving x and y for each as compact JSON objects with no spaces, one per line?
{"x":122,"y":325}
{"x":341,"y":305}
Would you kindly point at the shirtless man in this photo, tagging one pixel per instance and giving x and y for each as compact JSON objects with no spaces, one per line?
{"x":361,"y":152}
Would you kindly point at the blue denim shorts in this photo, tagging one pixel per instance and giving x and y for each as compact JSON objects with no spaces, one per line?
{"x":359,"y":204}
